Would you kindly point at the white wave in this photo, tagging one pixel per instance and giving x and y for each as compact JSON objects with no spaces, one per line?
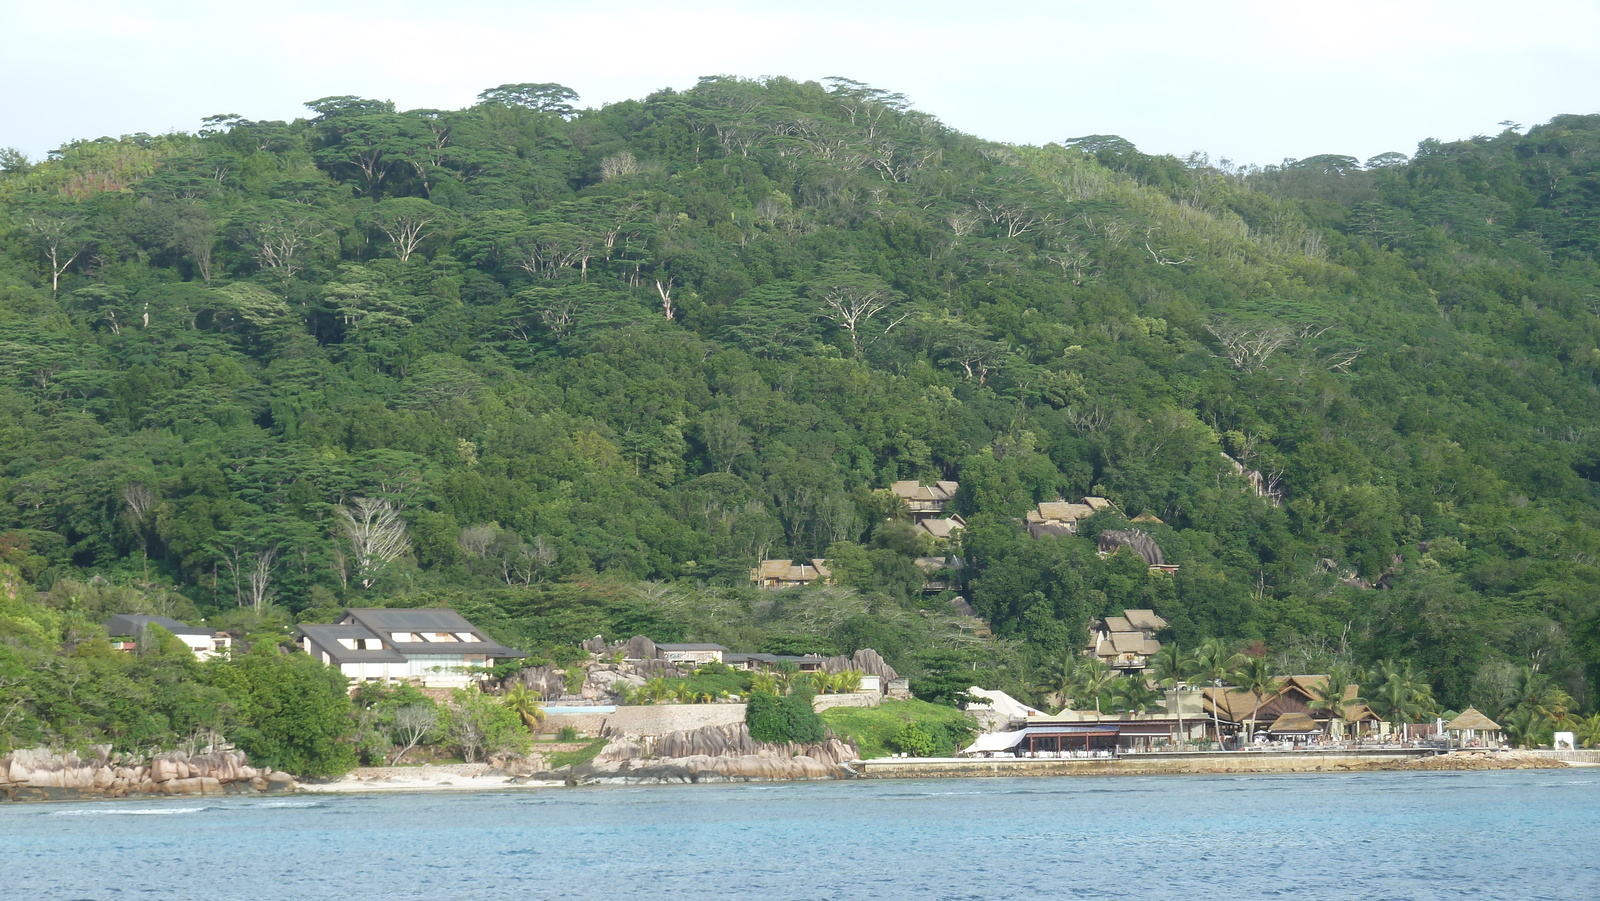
{"x":139,"y":812}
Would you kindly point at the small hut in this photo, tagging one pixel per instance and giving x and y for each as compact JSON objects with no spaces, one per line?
{"x":1464,"y":730}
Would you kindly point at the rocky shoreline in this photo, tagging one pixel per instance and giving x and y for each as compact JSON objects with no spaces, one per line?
{"x":38,"y":774}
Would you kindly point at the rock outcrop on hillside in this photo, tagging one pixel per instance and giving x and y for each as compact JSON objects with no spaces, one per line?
{"x":38,"y":774}
{"x":866,"y":661}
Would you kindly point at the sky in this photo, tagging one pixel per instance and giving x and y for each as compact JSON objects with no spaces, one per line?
{"x":1251,"y":82}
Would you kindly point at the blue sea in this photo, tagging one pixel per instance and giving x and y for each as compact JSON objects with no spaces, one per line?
{"x":1500,"y":835}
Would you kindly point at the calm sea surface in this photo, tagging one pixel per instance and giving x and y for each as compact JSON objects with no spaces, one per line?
{"x":1512,"y":835}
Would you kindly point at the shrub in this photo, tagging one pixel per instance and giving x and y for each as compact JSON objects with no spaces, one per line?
{"x":914,"y":740}
{"x":790,"y":718}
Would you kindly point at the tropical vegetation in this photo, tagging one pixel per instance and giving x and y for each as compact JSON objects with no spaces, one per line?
{"x":575,"y":371}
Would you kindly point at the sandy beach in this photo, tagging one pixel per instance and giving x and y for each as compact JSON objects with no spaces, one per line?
{"x":452,"y":777}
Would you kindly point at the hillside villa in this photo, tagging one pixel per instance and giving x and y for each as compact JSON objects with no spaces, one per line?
{"x":1052,"y":519}
{"x":785,"y":573}
{"x":1126,"y":643}
{"x":925,"y":501}
{"x":128,"y":629}
{"x":434,"y":648}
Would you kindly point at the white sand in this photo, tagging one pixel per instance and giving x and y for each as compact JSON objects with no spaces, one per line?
{"x":458,"y":777}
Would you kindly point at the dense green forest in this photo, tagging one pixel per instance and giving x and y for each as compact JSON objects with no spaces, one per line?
{"x":575,"y":371}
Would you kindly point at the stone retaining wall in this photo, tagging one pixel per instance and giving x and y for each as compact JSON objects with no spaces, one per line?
{"x":1196,"y":763}
{"x":1584,"y":758}
{"x":649,"y":719}
{"x":854,"y":699}
{"x":660,"y":719}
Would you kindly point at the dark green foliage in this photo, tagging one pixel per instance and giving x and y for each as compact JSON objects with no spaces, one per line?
{"x":765,"y":717}
{"x":603,"y":360}
{"x":291,"y":712}
{"x":784,"y":719}
{"x":913,"y":740}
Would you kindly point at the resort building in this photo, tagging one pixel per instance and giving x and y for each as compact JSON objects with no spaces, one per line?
{"x":1234,"y":708}
{"x":1126,"y":643}
{"x":925,"y":501}
{"x":691,"y":654}
{"x":1052,"y":519}
{"x":942,"y":529}
{"x":1473,"y":730}
{"x":435,"y":648}
{"x":128,"y":629}
{"x":807,"y":663}
{"x":779,"y":574}
{"x":940,"y":573}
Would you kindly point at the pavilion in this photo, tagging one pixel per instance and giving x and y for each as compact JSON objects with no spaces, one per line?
{"x":1464,"y":729}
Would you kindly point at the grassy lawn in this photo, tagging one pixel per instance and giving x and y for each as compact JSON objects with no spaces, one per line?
{"x":871,"y":728}
{"x":584,"y":755}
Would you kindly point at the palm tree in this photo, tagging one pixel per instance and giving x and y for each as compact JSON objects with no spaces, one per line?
{"x":786,"y":673}
{"x":655,"y":691}
{"x":1259,"y":677}
{"x":1587,"y":731}
{"x":1215,"y":662}
{"x":1134,"y":693}
{"x":525,"y":704}
{"x":847,"y":682}
{"x":1525,"y":727}
{"x":1060,"y":684}
{"x":765,"y":683}
{"x":1334,"y":689}
{"x":1539,"y":693}
{"x":1171,"y":668}
{"x":1401,"y":694}
{"x":1093,"y":677}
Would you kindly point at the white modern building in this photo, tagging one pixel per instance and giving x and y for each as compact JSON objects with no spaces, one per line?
{"x":435,"y":648}
{"x":128,"y":629}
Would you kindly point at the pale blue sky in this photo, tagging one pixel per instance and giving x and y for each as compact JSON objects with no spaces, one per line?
{"x":1251,"y":81}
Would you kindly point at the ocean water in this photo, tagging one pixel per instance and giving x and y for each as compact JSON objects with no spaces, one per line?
{"x":1504,"y":835}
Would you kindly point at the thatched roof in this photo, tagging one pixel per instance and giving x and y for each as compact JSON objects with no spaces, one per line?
{"x":1061,"y":512}
{"x":789,"y":571}
{"x":1145,"y":620}
{"x":1293,"y":723}
{"x":911,"y":490}
{"x":1472,"y":719}
{"x":942,"y":528}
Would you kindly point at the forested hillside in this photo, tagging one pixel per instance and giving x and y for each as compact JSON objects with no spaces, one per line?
{"x":596,"y":364}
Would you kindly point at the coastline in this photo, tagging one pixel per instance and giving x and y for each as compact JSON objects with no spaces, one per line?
{"x":485,"y":777}
{"x":469,"y":777}
{"x":1198,"y":763}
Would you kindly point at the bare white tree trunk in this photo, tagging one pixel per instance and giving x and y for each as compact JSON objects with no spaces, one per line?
{"x":261,"y":570}
{"x":376,"y":533}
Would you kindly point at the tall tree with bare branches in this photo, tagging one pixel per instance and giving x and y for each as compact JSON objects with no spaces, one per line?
{"x":376,"y":533}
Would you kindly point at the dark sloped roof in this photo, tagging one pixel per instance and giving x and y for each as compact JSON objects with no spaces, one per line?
{"x":414,"y":619}
{"x":691,"y":646}
{"x":131,"y":624}
{"x":326,"y":639}
{"x":384,"y":622}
